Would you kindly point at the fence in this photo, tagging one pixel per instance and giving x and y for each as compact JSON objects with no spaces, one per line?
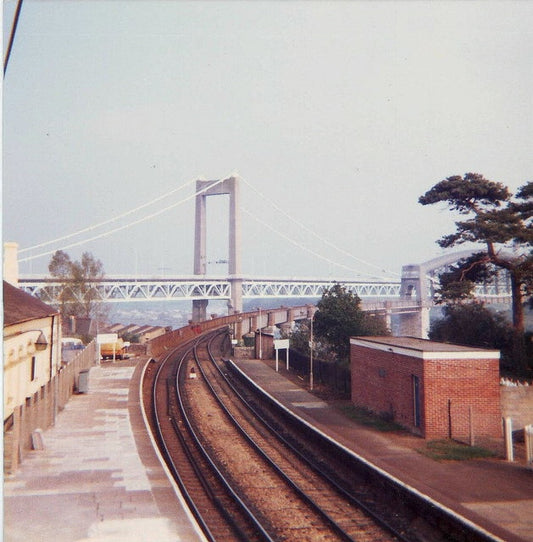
{"x":39,"y":411}
{"x":464,"y":422}
{"x":329,"y":374}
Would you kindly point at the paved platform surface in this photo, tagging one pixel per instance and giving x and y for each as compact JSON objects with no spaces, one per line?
{"x":492,"y":493}
{"x":98,"y":478}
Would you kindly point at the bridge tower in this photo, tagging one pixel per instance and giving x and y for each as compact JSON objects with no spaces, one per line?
{"x":229,"y":186}
{"x":414,"y":287}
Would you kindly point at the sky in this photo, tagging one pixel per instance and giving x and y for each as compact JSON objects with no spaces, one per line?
{"x":337,"y":116}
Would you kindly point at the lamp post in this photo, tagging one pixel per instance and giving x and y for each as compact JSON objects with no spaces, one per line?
{"x":260,"y":338}
{"x":311,"y":355}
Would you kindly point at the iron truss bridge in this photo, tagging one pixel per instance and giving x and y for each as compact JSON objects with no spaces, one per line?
{"x":117,"y":290}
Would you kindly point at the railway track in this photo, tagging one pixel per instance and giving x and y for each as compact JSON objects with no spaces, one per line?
{"x":249,"y":473}
{"x":294,"y":498}
{"x":217,"y":509}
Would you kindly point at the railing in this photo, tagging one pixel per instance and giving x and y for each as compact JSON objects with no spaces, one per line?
{"x":128,"y":289}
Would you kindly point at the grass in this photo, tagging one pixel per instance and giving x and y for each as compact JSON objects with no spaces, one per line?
{"x":452,"y":450}
{"x":365,"y":417}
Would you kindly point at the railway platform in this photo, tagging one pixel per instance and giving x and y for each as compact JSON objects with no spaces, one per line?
{"x":492,"y":493}
{"x":97,"y":478}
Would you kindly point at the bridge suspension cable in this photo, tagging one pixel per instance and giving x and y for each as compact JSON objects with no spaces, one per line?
{"x":124,"y":226}
{"x":299,"y":245}
{"x":316,"y":235}
{"x":108,"y":221}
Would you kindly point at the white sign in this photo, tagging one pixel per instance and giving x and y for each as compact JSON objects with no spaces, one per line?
{"x":278,"y":345}
{"x":106,"y":338}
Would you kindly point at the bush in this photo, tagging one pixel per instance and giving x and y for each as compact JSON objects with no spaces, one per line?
{"x":472,"y":324}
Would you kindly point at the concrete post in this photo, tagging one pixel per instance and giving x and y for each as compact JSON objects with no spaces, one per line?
{"x":528,"y":437}
{"x":508,"y":436}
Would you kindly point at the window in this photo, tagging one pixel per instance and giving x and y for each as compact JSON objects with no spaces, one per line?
{"x":33,"y":368}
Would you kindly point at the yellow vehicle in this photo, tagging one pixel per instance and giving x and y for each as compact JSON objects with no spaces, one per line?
{"x":115,"y":350}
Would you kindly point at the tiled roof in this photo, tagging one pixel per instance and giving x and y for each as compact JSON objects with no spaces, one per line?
{"x":20,"y":307}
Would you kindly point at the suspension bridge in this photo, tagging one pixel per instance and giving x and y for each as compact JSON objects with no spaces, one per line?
{"x":410,"y":295}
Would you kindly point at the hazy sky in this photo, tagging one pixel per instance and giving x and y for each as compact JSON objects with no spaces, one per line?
{"x":341,"y":113}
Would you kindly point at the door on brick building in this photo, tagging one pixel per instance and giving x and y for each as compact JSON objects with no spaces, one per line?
{"x":416,"y":400}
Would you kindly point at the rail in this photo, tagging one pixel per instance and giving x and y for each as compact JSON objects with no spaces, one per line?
{"x":445,"y":521}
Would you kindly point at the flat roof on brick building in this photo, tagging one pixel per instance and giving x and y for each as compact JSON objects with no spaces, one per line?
{"x":424,"y":348}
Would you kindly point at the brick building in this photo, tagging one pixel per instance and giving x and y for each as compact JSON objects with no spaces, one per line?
{"x":436,"y":390}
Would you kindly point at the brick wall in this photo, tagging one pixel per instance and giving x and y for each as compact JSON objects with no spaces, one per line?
{"x":382,"y":382}
{"x":462,"y":396}
{"x":456,"y":396}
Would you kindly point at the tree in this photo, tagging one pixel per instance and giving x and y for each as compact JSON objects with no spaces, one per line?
{"x":503,"y":225}
{"x":300,"y":342}
{"x":77,"y":296}
{"x":339,"y":317}
{"x":473,"y":324}
{"x":458,"y":283}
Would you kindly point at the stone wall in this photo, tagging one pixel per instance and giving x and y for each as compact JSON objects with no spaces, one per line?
{"x":243,"y":352}
{"x":517,"y":404}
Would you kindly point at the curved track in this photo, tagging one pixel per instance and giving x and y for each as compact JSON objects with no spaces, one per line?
{"x":219,"y":512}
{"x":249,"y":472}
{"x":292,"y":497}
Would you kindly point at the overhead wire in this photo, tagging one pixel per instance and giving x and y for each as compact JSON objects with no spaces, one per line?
{"x":299,"y":245}
{"x":12,"y":35}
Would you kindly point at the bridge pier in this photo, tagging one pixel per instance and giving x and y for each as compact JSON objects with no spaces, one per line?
{"x":235,"y":303}
{"x":199,"y":310}
{"x":414,"y":324}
